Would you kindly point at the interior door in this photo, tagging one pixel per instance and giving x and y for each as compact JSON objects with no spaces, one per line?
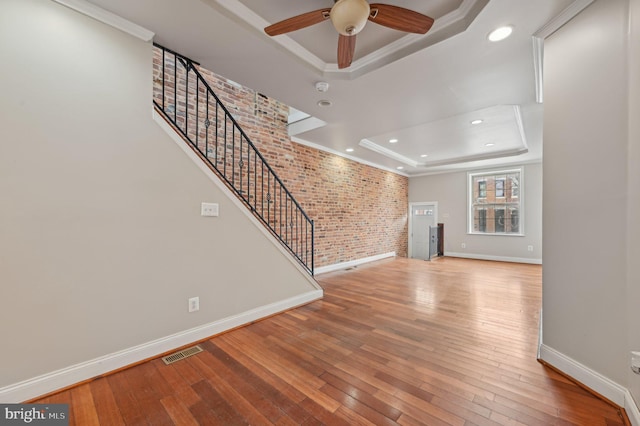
{"x":423,"y":216}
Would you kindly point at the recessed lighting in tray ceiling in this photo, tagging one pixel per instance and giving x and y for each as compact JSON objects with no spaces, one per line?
{"x":393,"y":140}
{"x":500,"y":33}
{"x":478,"y":121}
{"x":324,"y":103}
{"x":349,"y":149}
{"x":490,"y":144}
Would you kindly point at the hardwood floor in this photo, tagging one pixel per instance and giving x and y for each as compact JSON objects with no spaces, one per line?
{"x":401,"y":341}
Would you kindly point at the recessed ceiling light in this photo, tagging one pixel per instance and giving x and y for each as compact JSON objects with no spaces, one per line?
{"x":489,"y":144}
{"x":400,"y":168}
{"x":500,"y":33}
{"x":424,"y":155}
{"x":349,"y":149}
{"x":393,"y":140}
{"x":474,"y":122}
{"x":324,"y":103}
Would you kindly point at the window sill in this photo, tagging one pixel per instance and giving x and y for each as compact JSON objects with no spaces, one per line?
{"x":496,"y":234}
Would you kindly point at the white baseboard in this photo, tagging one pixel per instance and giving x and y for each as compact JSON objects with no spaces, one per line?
{"x":496,"y":258}
{"x":50,"y":382}
{"x":352,"y":263}
{"x":632,"y":409}
{"x":593,"y":380}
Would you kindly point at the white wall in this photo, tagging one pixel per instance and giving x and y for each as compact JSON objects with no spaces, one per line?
{"x":590,"y":305}
{"x":450,"y":191}
{"x":101,"y":238}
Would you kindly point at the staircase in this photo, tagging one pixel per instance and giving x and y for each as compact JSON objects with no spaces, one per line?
{"x":186,"y":100}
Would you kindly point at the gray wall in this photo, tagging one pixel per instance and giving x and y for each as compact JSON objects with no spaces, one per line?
{"x":450,"y":191}
{"x":633,"y":224}
{"x":101,"y":238}
{"x":590,"y":305}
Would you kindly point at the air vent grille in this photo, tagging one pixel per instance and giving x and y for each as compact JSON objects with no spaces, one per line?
{"x":180,"y":355}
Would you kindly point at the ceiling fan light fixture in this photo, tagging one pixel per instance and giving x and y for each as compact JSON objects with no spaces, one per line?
{"x":349,"y":16}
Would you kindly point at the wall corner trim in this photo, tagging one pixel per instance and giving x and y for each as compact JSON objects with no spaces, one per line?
{"x":50,"y":382}
{"x":593,"y":380}
{"x":108,"y":18}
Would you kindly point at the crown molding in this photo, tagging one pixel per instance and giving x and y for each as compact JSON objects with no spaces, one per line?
{"x":108,"y":18}
{"x":349,"y":157}
{"x":444,"y":27}
{"x":545,"y":31}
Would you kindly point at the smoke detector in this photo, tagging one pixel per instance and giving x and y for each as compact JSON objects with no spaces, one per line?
{"x":322,"y":86}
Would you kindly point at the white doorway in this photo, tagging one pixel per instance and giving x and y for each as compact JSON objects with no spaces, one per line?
{"x":422,"y":216}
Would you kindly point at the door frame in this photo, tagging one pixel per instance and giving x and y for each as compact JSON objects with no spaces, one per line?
{"x":435,"y":218}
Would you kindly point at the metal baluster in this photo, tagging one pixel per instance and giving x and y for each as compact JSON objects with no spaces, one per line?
{"x":207,"y":123}
{"x":198,"y":113}
{"x":163,"y":77}
{"x":186,"y":103}
{"x":240,"y":164}
{"x":225,"y":147}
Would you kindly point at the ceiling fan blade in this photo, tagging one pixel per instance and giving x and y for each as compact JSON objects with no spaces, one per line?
{"x":298,"y":22}
{"x":346,"y":49}
{"x":400,"y":18}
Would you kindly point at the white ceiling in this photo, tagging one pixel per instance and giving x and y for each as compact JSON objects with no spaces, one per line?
{"x":422,"y":90}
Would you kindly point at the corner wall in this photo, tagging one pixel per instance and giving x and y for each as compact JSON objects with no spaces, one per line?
{"x":101,"y":238}
{"x":633,"y":224}
{"x":590,"y":304}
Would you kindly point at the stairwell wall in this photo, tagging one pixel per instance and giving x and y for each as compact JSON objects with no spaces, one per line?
{"x":101,"y":238}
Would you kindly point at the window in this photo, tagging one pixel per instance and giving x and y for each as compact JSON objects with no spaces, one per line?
{"x":482,"y":189}
{"x":515,"y":224}
{"x":515,"y":187}
{"x":482,"y":220}
{"x":499,"y":188}
{"x":495,"y":202}
{"x":499,"y":219}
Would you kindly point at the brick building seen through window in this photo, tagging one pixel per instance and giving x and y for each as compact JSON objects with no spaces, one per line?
{"x":494,"y":202}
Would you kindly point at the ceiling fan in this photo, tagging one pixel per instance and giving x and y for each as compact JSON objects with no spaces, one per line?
{"x":349,"y":17}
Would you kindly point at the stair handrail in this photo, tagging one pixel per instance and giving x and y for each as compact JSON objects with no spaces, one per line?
{"x":306,"y":255}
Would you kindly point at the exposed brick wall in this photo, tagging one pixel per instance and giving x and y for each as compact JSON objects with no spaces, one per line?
{"x":358,"y":210}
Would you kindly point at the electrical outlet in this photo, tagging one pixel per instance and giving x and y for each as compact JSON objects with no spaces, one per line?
{"x":209,"y":209}
{"x":463,"y":245}
{"x":635,"y":362}
{"x":194,"y":304}
{"x":530,"y":248}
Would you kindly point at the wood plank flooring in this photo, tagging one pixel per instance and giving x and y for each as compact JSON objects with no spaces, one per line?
{"x":395,"y":342}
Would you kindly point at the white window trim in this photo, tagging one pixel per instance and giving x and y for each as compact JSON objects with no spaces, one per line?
{"x":470,"y":176}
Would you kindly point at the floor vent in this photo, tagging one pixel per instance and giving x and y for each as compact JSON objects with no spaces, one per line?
{"x":180,"y":355}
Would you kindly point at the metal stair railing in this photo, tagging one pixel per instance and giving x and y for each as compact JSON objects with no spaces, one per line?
{"x":186,"y":100}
